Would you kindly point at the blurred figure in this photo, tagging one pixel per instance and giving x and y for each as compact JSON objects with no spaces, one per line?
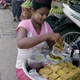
{"x":16,"y":6}
{"x":3,"y":4}
{"x":26,"y":9}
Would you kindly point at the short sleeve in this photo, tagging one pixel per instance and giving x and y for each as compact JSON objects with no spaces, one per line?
{"x":23,"y":24}
{"x":49,"y":28}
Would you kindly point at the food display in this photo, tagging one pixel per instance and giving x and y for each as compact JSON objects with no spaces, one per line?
{"x":58,"y":58}
{"x":62,"y":71}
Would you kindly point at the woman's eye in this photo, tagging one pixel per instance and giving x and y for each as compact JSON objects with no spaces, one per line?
{"x":44,"y":14}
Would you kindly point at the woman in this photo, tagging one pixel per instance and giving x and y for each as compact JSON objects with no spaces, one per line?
{"x":34,"y":34}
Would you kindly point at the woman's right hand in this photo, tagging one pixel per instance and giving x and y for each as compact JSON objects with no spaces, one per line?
{"x":56,"y":37}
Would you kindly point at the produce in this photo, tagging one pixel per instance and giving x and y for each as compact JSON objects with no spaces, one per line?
{"x":27,"y":4}
{"x":56,"y":10}
{"x":62,"y":71}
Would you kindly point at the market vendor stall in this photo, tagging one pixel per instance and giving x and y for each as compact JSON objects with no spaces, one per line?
{"x":55,"y":67}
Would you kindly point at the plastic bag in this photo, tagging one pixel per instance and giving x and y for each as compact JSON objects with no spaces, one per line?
{"x":58,"y":52}
{"x":35,"y":75}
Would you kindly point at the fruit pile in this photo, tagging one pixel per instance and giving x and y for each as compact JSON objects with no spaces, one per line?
{"x":56,"y":10}
{"x":62,"y":71}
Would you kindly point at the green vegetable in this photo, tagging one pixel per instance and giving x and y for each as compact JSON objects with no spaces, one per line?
{"x":56,"y":10}
{"x":27,"y":4}
{"x":60,"y":45}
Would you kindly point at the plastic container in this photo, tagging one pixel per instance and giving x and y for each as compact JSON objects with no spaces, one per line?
{"x":36,"y":61}
{"x":57,"y":52}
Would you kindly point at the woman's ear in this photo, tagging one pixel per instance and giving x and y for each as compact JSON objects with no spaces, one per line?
{"x":32,"y":11}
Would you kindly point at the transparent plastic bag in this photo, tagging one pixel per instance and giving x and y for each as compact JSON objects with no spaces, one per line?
{"x":58,"y":52}
{"x":35,"y":75}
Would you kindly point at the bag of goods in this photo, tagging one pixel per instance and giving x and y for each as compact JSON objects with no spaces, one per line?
{"x":58,"y":49}
{"x":26,"y":7}
{"x":62,"y":71}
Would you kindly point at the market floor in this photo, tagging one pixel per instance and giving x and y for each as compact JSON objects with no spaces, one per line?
{"x":8,"y":47}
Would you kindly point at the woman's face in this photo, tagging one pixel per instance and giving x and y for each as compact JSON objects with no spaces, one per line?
{"x":40,"y":15}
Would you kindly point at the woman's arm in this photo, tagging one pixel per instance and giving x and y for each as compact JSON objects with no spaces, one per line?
{"x":27,"y":42}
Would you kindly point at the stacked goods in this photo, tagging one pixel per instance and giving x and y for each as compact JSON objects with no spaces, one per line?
{"x":26,"y":13}
{"x":56,"y":10}
{"x":62,"y":71}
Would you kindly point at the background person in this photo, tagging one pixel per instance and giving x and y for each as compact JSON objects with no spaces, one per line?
{"x":26,"y":9}
{"x":3,"y":4}
{"x":16,"y":9}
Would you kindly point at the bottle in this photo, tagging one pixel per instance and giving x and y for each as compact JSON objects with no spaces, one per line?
{"x":69,"y":50}
{"x":75,"y":60}
{"x":71,"y":55}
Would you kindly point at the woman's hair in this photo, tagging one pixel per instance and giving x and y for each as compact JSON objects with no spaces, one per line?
{"x":36,"y":5}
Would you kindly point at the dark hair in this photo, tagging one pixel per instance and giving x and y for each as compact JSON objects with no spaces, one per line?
{"x":36,"y":5}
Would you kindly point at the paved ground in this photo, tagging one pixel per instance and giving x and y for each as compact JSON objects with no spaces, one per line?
{"x":8,"y":47}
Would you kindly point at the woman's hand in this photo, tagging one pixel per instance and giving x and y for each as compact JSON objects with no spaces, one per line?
{"x":56,"y":37}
